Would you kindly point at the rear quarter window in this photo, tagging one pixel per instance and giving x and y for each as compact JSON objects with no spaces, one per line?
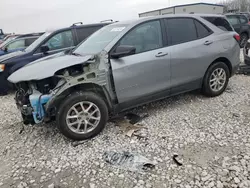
{"x":220,"y":22}
{"x":243,"y":19}
{"x":202,"y":31}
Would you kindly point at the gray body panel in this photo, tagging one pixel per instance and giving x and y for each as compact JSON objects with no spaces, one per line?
{"x":133,"y":74}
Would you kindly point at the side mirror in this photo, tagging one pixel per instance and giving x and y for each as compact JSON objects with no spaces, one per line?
{"x":123,"y":50}
{"x":44,"y":49}
{"x":5,"y":49}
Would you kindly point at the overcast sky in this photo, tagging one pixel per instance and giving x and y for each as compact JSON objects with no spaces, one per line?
{"x":22,"y":16}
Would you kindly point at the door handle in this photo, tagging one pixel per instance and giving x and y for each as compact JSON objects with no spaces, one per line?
{"x":208,"y":42}
{"x":161,"y":54}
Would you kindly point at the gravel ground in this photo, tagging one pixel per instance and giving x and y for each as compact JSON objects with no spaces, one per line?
{"x":210,"y":135}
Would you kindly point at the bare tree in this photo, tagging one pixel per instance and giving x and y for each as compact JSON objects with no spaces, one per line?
{"x":237,"y":5}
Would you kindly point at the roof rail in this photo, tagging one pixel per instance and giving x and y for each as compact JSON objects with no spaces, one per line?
{"x":77,"y":23}
{"x":110,"y":20}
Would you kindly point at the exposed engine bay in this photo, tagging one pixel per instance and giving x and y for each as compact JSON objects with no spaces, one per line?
{"x":35,"y":98}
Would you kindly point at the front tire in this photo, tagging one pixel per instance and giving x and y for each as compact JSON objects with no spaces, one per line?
{"x":216,"y":79}
{"x":82,"y":115}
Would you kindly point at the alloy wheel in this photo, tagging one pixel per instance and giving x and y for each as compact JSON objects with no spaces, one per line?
{"x":217,"y":79}
{"x":83,"y":117}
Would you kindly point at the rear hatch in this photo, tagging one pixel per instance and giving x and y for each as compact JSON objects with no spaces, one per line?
{"x":220,"y":22}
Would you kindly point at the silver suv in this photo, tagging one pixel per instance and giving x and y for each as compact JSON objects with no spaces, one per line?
{"x":124,"y":65}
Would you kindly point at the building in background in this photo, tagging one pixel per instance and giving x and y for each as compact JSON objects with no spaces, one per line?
{"x":203,"y":8}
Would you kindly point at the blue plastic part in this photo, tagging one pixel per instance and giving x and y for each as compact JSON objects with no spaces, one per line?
{"x":37,"y":100}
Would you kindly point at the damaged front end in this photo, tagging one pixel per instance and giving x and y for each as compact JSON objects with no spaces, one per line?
{"x":38,"y":96}
{"x":31,"y":99}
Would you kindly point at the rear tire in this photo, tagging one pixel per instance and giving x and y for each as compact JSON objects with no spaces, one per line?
{"x":216,"y":79}
{"x":74,"y":118}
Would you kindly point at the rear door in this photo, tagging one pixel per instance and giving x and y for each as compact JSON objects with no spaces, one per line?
{"x":146,"y":73}
{"x":191,"y":48}
{"x":245,"y":24}
{"x":234,"y":20}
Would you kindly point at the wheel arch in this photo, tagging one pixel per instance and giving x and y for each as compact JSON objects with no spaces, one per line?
{"x":245,"y":32}
{"x":100,"y":90}
{"x":224,"y":60}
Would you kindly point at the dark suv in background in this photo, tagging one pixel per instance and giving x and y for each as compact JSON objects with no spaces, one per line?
{"x":49,"y":43}
{"x":18,"y":43}
{"x":241,"y":25}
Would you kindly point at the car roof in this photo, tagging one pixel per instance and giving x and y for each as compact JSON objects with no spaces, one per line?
{"x":79,"y":26}
{"x":167,"y":16}
{"x":30,"y":35}
{"x":235,"y":14}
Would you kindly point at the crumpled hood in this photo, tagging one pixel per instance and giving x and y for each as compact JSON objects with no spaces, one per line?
{"x":46,"y":67}
{"x":11,"y":55}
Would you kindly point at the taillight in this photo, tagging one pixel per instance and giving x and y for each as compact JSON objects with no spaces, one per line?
{"x":249,"y":22}
{"x":237,"y":37}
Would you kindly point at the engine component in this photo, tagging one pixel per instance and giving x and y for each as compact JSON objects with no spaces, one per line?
{"x":37,"y":101}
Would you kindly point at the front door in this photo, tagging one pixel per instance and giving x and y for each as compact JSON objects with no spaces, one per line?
{"x":147,"y":72}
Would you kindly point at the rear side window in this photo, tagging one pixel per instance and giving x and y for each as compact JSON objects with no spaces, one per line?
{"x":29,"y":41}
{"x":181,"y":30}
{"x":243,"y":20}
{"x":83,"y":33}
{"x":16,"y":45}
{"x":202,"y":31}
{"x":220,"y":22}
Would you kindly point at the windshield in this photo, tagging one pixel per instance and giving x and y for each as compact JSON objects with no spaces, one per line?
{"x":100,"y":39}
{"x":37,"y":42}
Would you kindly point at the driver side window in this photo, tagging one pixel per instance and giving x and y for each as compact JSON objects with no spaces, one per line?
{"x":145,"y":37}
{"x":60,"y":41}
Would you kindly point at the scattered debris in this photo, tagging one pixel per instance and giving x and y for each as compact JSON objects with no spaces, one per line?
{"x":77,"y":143}
{"x":22,"y":129}
{"x":128,"y":161}
{"x":176,"y":161}
{"x":229,"y":90}
{"x":134,"y":118}
{"x":236,"y":115}
{"x":128,"y":128}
